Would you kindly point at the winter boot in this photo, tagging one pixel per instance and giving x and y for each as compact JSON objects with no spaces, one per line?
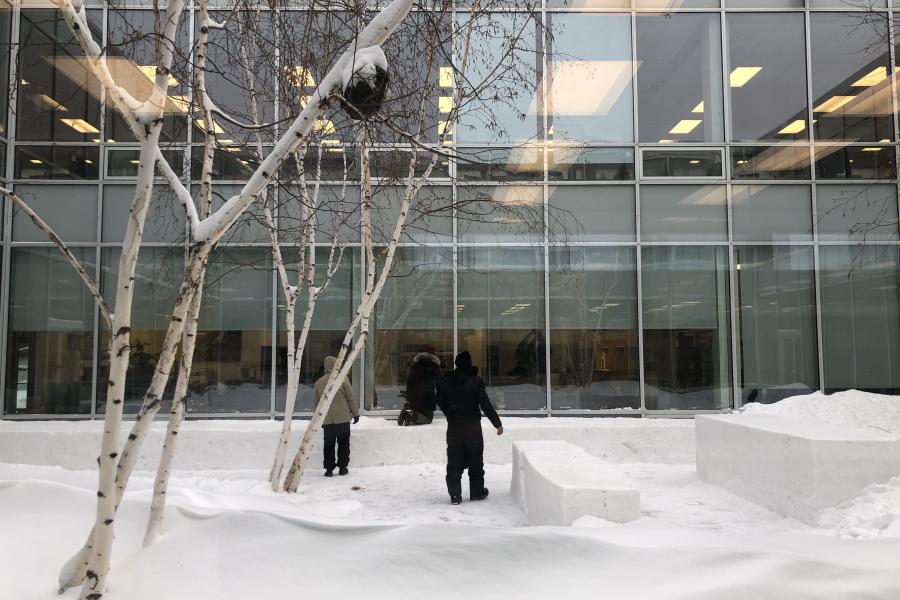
{"x":483,"y":495}
{"x":329,"y":473}
{"x":343,"y":471}
{"x":455,"y":500}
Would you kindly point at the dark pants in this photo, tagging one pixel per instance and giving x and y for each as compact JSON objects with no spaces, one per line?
{"x":465,"y":450}
{"x":340,"y":433}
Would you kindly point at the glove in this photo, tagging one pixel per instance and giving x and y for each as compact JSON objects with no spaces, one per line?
{"x":356,"y":419}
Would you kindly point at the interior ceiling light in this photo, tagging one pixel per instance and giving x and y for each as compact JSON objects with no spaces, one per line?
{"x":52,"y":103}
{"x":445,"y":77}
{"x":695,"y":162}
{"x":88,"y":161}
{"x":150,"y":72}
{"x":685,"y":126}
{"x":741,"y":75}
{"x":873,"y":78}
{"x":873,"y":149}
{"x":666,"y":141}
{"x":698,"y":108}
{"x":35,"y":161}
{"x":445,"y":104}
{"x":794,"y":127}
{"x":80,"y":125}
{"x":301,"y":76}
{"x":584,"y":87}
{"x":833,"y":103}
{"x":202,"y":125}
{"x":135,"y":162}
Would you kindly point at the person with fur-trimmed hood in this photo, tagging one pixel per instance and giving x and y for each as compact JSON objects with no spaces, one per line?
{"x":462,"y":398}
{"x":421,"y":389}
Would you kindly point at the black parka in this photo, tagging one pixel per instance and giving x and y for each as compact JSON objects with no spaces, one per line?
{"x":462,"y":397}
{"x":422,"y":383}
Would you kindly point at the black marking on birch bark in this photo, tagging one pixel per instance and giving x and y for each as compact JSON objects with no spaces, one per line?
{"x":122,"y":331}
{"x":100,"y":494}
{"x":113,"y":454}
{"x":117,"y":401}
{"x":177,"y":319}
{"x":94,"y":596}
{"x":174,"y":433}
{"x":132,"y":436}
{"x":108,"y":522}
{"x":90,"y":574}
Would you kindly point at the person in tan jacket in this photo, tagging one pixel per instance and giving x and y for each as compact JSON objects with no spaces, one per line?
{"x":343,"y":407}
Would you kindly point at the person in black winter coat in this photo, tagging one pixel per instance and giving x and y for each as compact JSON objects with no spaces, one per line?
{"x":421,"y":389}
{"x":462,"y":398}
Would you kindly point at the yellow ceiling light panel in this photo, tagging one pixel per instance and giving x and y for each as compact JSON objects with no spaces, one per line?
{"x":201,"y":123}
{"x":833,"y":103}
{"x":445,"y":104}
{"x":793,"y":127}
{"x":301,"y":76}
{"x":445,"y":77}
{"x":873,"y":78}
{"x":35,"y":161}
{"x":135,"y":162}
{"x":699,"y":108}
{"x":324,"y":126}
{"x":443,"y":128}
{"x":695,"y":162}
{"x":182,"y":104}
{"x":666,"y":141}
{"x":873,"y":149}
{"x":685,"y":126}
{"x":742,"y":75}
{"x":80,"y":125}
{"x":52,"y":103}
{"x":150,"y":72}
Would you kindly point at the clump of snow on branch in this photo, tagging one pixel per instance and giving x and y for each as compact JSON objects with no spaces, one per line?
{"x":364,"y":82}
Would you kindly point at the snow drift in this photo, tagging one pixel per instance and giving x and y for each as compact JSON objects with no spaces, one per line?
{"x":852,"y":408}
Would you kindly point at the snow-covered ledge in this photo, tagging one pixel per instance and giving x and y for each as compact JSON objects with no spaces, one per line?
{"x":794,"y":466}
{"x":556,"y":483}
{"x":245,"y":444}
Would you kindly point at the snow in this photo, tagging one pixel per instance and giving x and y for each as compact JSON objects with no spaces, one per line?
{"x":388,"y":530}
{"x":852,"y":408}
{"x":363,"y":66}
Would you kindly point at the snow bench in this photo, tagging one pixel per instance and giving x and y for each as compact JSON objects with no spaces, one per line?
{"x":557,"y":482}
{"x":793,"y":466}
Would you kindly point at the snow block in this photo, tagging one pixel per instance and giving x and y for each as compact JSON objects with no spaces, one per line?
{"x":556,"y":483}
{"x":793,"y":466}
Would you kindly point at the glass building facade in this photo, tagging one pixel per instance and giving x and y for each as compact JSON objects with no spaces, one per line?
{"x":716,"y":185}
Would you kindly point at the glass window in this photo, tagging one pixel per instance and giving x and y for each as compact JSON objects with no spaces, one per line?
{"x":856,"y":162}
{"x":592,"y":213}
{"x":232,"y":369}
{"x":771,"y":213}
{"x":331,"y":317}
{"x":500,"y":213}
{"x":165,"y":216}
{"x":124,"y":162}
{"x":764,"y":3}
{"x":236,"y":163}
{"x":430,"y":216}
{"x":676,"y":4}
{"x":500,"y":315}
{"x":51,"y":341}
{"x":593,"y":328}
{"x":394,"y":164}
{"x":682,"y":163}
{"x":510,"y":108}
{"x":71,"y":210}
{"x":861,"y":317}
{"x":338,"y":208}
{"x":5,"y":25}
{"x":679,"y":81}
{"x":863,"y":4}
{"x":522,"y":163}
{"x":683,"y":213}
{"x":57,"y":162}
{"x":589,"y":83}
{"x":851,"y":89}
{"x":251,"y":226}
{"x":58,"y":98}
{"x":334,"y":160}
{"x":857,"y":212}
{"x":414,"y":314}
{"x":776,"y":322}
{"x":133,"y":65}
{"x":575,"y":163}
{"x":157,"y":282}
{"x":687,"y":352}
{"x":774,"y":162}
{"x":767,"y":55}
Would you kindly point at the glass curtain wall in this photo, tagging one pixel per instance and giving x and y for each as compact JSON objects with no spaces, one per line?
{"x":693,"y":205}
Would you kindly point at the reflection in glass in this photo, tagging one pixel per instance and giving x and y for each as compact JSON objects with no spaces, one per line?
{"x":232,"y":369}
{"x":331,"y":318}
{"x":861,"y":317}
{"x":857,"y":212}
{"x":591,"y":213}
{"x":682,"y":163}
{"x":50,"y":342}
{"x":5,"y":25}
{"x":851,"y":79}
{"x":522,"y":163}
{"x":500,"y":213}
{"x":774,"y":162}
{"x":589,"y":91}
{"x":501,"y":322}
{"x":776,"y":322}
{"x":593,"y":328}
{"x":590,"y":164}
{"x":767,"y":60}
{"x":856,"y":162}
{"x":57,"y":162}
{"x":58,"y":99}
{"x":769,"y":213}
{"x":124,"y":163}
{"x":414,"y":314}
{"x":683,"y":213}
{"x":429,"y":219}
{"x":687,"y":356}
{"x":679,"y":78}
{"x":157,"y":281}
{"x":165,"y":215}
{"x":71,"y":211}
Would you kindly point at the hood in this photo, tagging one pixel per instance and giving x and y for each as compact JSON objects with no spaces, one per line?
{"x":422,"y":357}
{"x":329,"y":363}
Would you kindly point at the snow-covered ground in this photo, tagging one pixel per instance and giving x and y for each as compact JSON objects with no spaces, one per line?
{"x":389,"y":532}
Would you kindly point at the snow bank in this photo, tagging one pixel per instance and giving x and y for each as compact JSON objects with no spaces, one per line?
{"x":853,"y":408}
{"x":875,"y":513}
{"x":239,"y":553}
